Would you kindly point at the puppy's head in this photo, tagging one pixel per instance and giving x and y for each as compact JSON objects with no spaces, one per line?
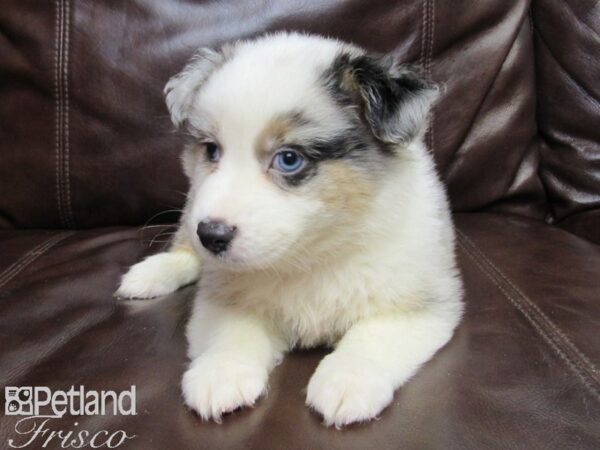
{"x":290,"y":137}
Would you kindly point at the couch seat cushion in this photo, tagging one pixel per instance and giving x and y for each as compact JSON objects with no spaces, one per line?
{"x":519,"y":373}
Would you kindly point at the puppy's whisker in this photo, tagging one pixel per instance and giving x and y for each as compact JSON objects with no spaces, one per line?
{"x":165,"y":233}
{"x":159,"y":235}
{"x":158,"y":214}
{"x":184,"y":194}
{"x":159,"y":225}
{"x":167,"y":226}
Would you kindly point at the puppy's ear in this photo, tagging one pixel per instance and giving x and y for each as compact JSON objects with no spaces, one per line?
{"x":394,"y":100}
{"x":182,"y":88}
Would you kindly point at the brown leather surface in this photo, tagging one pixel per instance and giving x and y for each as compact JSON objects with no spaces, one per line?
{"x":553,"y":283}
{"x":514,"y":376}
{"x":27,"y":115}
{"x":484,"y":130}
{"x":567,"y":48}
{"x":86,"y":140}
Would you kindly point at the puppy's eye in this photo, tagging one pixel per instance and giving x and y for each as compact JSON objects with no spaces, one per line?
{"x":213,"y":153}
{"x":288,"y":161}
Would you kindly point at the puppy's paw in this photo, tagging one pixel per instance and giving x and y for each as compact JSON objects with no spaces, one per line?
{"x":159,"y":274}
{"x":215,"y":385}
{"x":345,"y":390}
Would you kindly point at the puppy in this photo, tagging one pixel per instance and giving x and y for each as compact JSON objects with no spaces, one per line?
{"x":314,"y":217}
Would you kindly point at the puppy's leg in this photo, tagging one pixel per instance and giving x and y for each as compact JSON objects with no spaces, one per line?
{"x":162,"y":273}
{"x":232,"y":354}
{"x":357,"y":380}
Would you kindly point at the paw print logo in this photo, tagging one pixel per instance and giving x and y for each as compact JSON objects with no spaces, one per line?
{"x":19,"y":401}
{"x":12,"y":407}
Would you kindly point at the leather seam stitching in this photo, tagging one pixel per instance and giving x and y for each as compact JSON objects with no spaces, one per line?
{"x":427,"y":38}
{"x":423,"y":33}
{"x":553,"y":336}
{"x":532,"y":305}
{"x":9,"y":273}
{"x":61,"y":57}
{"x":429,"y":72}
{"x":58,"y":109}
{"x":67,"y":149}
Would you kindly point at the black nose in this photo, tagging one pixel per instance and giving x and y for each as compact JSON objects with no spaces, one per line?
{"x":215,"y":235}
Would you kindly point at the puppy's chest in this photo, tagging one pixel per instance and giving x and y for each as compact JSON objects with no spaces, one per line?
{"x":310,"y":309}
{"x":309,"y":317}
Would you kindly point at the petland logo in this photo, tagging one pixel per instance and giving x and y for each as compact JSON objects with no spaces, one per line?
{"x":40,"y":405}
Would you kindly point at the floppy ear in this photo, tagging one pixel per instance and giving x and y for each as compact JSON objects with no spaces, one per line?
{"x":393,"y":98}
{"x":182,"y":88}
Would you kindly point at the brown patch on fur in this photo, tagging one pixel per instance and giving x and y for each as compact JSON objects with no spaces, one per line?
{"x":344,"y":187}
{"x":273,"y":135}
{"x":349,"y":83}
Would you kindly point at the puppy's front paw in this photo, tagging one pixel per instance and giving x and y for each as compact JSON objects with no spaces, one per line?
{"x":159,"y":274}
{"x":215,"y":385}
{"x":345,"y":390}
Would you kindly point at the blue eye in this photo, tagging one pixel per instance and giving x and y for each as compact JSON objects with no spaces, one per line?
{"x":213,"y":153}
{"x":288,"y":161}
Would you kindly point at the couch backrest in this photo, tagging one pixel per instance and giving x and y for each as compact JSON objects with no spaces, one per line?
{"x":567,"y":48}
{"x":85,"y":138}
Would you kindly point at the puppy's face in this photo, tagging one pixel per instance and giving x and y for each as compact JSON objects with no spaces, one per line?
{"x":289,"y":138}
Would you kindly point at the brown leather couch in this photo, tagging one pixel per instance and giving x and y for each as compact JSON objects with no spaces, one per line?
{"x":88,"y":156}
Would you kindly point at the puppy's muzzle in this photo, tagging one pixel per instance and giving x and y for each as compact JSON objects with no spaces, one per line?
{"x":215,"y":235}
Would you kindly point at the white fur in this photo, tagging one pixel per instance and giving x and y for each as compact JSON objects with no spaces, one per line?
{"x":379,"y":285}
{"x":232,"y":354}
{"x":160,"y":274}
{"x":374,"y":357}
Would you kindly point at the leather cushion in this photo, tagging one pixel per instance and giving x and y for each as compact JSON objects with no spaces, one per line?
{"x":567,"y":45}
{"x":519,"y":373}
